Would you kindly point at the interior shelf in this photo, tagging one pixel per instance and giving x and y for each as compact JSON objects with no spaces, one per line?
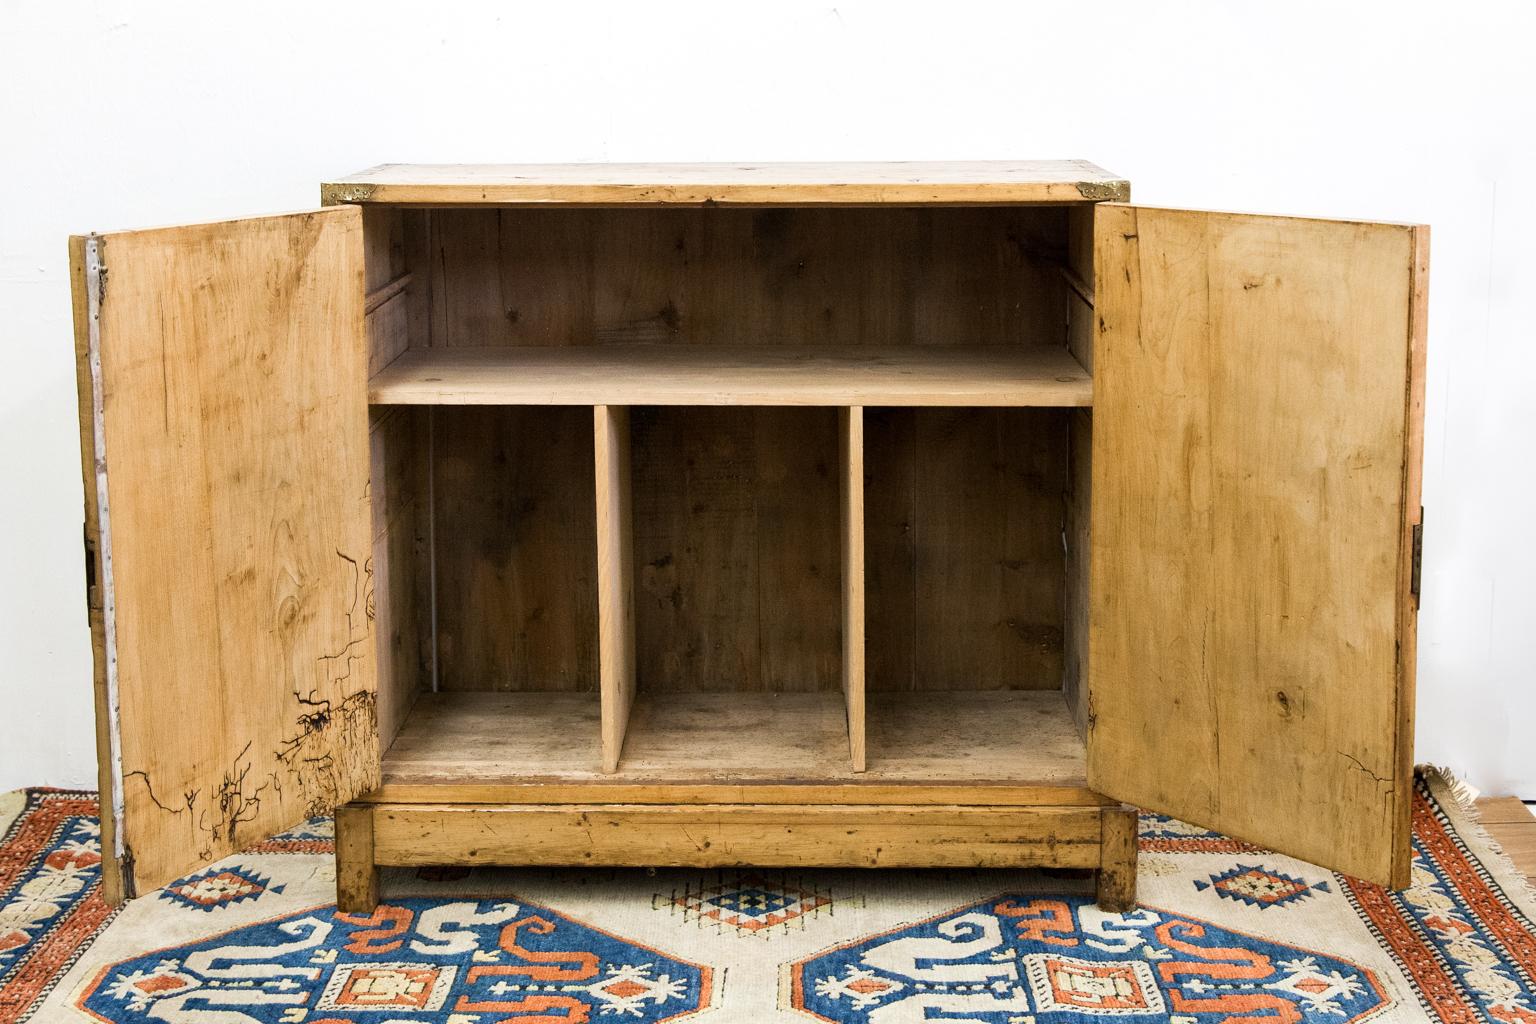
{"x":1022,"y":737}
{"x":927,"y":375}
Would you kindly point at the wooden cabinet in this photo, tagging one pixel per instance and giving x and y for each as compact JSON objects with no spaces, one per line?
{"x":864,"y":514}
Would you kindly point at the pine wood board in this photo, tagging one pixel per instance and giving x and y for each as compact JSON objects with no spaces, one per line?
{"x":851,"y":493}
{"x":707,"y":375}
{"x":760,"y":835}
{"x":892,"y":276}
{"x":736,"y":548}
{"x":758,"y":184}
{"x":964,"y":565}
{"x":517,"y":587}
{"x":233,"y":439}
{"x":1253,"y":430}
{"x":615,"y":576}
{"x":1020,"y":738}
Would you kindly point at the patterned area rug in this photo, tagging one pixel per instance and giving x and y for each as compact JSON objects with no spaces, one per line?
{"x":1225,"y":933}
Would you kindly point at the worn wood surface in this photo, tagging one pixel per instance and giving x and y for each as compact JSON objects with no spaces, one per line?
{"x":737,"y":547}
{"x":357,"y":873}
{"x":234,"y":442}
{"x":1018,"y":738}
{"x":965,"y":571}
{"x":744,"y":278}
{"x":709,"y":375}
{"x":1117,"y":860}
{"x":401,"y":605}
{"x":851,"y":487}
{"x":615,"y":576}
{"x":1252,"y":451}
{"x":757,"y":184}
{"x":1082,"y":330}
{"x":746,"y":834}
{"x":107,"y":761}
{"x":516,"y":549}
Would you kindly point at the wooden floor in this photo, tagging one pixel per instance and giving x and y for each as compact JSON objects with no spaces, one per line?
{"x":1512,"y":826}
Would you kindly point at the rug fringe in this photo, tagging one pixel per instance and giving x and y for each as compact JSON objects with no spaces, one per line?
{"x":1465,"y":796}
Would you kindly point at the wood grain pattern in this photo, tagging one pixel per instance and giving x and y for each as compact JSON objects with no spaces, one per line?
{"x":234,"y":439}
{"x":730,"y":835}
{"x":851,"y":487}
{"x":965,"y":566}
{"x":616,"y":576}
{"x":737,"y":547}
{"x":1251,"y":457}
{"x":513,"y":791}
{"x":759,"y":184}
{"x":742,"y":278}
{"x":700,"y":375}
{"x":1018,"y":738}
{"x":401,"y":606}
{"x":357,"y":875}
{"x":516,"y":549}
{"x":1117,"y":860}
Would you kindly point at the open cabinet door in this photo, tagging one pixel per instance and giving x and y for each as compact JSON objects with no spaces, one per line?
{"x":1258,"y":394}
{"x":225,"y":440}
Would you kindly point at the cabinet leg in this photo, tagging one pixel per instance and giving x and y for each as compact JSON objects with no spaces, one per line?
{"x":1117,"y":860}
{"x":357,"y":877}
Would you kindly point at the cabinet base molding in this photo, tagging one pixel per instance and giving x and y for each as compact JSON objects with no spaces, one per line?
{"x":374,"y":835}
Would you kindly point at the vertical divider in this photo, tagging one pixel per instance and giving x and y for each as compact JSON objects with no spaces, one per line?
{"x":851,"y":460}
{"x":615,"y":577}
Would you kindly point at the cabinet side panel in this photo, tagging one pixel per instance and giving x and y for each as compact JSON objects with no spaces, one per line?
{"x":402,"y":622}
{"x":1076,"y":536}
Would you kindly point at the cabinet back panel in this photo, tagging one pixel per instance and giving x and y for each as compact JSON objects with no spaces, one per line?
{"x":884,"y":276}
{"x":964,"y":569}
{"x":737,"y":549}
{"x":516,"y":548}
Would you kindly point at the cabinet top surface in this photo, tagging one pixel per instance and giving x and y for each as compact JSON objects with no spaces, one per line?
{"x":746,"y":184}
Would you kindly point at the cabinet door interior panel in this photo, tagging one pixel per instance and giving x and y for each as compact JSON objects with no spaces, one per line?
{"x":230,"y":455}
{"x":1253,"y":429}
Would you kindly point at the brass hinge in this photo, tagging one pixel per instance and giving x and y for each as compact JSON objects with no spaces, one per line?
{"x":1416,"y":571}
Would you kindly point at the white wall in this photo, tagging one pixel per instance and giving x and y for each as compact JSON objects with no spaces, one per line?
{"x":117,"y":114}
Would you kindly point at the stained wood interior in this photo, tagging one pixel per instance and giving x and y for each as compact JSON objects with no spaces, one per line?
{"x":963,"y":531}
{"x":516,"y":544}
{"x":1020,"y":737}
{"x":726,"y":532}
{"x":737,"y":549}
{"x":884,"y":277}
